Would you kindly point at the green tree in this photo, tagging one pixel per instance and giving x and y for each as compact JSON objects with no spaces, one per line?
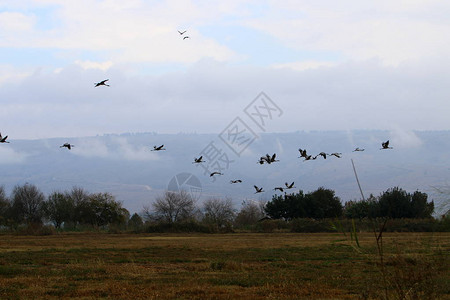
{"x":362,"y":209}
{"x":324,"y":203}
{"x":395,"y":203}
{"x":321,"y":203}
{"x":135,"y":222}
{"x":420,"y":208}
{"x":288,"y":206}
{"x":101,"y":209}
{"x":5,"y":207}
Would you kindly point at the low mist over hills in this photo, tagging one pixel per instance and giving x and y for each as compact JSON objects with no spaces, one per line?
{"x":125,"y":166}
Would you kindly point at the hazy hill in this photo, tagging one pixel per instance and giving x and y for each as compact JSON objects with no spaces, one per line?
{"x":125,"y":166}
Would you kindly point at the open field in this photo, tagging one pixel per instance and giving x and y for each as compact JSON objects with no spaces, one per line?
{"x":222,"y":266}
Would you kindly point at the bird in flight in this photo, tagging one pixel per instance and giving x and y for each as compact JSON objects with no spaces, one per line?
{"x":289,"y":186}
{"x":67,"y":145}
{"x":235,"y":181}
{"x":302,"y":153}
{"x":358,"y":149}
{"x":198,"y":160}
{"x":3,"y":139}
{"x":278,"y":188}
{"x":309,"y":157}
{"x":181,"y":32}
{"x":338,"y":155}
{"x":215,"y":173}
{"x":186,"y":37}
{"x":102,"y":83}
{"x":385,"y":145}
{"x":272,"y":159}
{"x":158,"y":148}
{"x":258,"y":190}
{"x":262,"y":160}
{"x":323,"y":154}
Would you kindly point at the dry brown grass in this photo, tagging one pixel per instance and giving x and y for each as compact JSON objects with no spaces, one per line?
{"x":221,"y":266}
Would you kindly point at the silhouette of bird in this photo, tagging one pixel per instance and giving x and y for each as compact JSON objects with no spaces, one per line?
{"x":67,"y":145}
{"x":261,"y":161}
{"x":358,"y":149}
{"x":258,"y":190}
{"x":3,"y":139}
{"x":338,"y":155}
{"x":289,"y":186}
{"x":278,"y":188}
{"x":385,"y":145}
{"x":268,"y":159}
{"x":309,"y":157}
{"x":272,"y":159}
{"x":186,"y":37}
{"x":302,"y":153}
{"x":323,"y":154}
{"x":181,"y":33}
{"x":215,"y":173}
{"x":264,"y":159}
{"x":101,"y":83}
{"x":198,"y":160}
{"x":158,"y":148}
{"x":236,"y":181}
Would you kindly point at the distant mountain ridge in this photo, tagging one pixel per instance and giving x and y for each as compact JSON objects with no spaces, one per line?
{"x":124,"y":164}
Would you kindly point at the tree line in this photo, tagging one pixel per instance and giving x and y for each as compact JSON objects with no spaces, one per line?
{"x":76,"y":209}
{"x":322,"y":203}
{"x":27,"y":205}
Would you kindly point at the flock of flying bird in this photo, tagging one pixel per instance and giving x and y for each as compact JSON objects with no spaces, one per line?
{"x":267,"y":159}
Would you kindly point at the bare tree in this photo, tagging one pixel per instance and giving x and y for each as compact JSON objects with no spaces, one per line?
{"x":250,"y":213}
{"x":219,"y":211}
{"x":59,"y":208}
{"x":443,"y":201}
{"x":27,"y":202}
{"x":79,"y":197}
{"x":172,"y":207}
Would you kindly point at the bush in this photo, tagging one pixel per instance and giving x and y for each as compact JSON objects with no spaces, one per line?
{"x":271,"y":225}
{"x":311,"y":225}
{"x":188,"y":226}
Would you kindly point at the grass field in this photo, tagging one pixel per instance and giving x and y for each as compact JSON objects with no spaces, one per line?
{"x":223,"y":266}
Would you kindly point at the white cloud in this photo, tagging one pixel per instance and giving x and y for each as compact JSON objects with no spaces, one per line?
{"x":10,"y":156}
{"x":87,"y":64}
{"x":402,"y":138}
{"x":15,"y":22}
{"x":304,"y":65}
{"x":128,"y":32}
{"x":208,"y":96}
{"x":391,"y":31}
{"x":117,"y":148}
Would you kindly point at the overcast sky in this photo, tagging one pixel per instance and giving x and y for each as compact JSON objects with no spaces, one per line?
{"x":327,"y":64}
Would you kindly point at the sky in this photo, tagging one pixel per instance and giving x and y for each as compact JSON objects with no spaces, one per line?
{"x":328,"y":65}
